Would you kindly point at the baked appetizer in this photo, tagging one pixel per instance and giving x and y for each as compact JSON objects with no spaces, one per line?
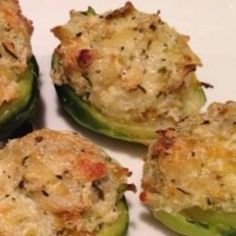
{"x":59,"y":183}
{"x":125,"y":73}
{"x":18,"y":69}
{"x":189,"y":176}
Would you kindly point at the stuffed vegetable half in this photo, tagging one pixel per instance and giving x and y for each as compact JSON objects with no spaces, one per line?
{"x":189,"y":179}
{"x":59,"y":183}
{"x":18,"y":69}
{"x":125,"y":73}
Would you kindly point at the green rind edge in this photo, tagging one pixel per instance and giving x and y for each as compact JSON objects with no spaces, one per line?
{"x":120,"y":226}
{"x":23,"y":112}
{"x":86,"y":115}
{"x":179,"y":224}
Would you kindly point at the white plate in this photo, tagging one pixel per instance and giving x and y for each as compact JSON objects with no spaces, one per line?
{"x":211,"y":25}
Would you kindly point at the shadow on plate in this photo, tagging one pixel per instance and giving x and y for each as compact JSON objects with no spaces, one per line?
{"x":150,"y":220}
{"x":119,"y":146}
{"x":38,"y":118}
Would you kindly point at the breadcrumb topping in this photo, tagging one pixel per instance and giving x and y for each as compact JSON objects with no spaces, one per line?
{"x":15,"y":49}
{"x":130,"y":65}
{"x":194,"y":164}
{"x":58,"y":183}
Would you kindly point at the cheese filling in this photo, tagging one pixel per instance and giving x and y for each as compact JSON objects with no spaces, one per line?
{"x":130,"y":65}
{"x":194,"y":165}
{"x":15,"y":50}
{"x":57,"y":183}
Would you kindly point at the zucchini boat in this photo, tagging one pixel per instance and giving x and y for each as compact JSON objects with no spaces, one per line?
{"x":125,"y":74}
{"x":18,"y":69}
{"x":189,"y":174}
{"x":59,"y":183}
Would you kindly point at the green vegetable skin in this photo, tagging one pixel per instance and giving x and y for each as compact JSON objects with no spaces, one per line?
{"x":118,"y":228}
{"x":88,"y":116}
{"x":14,"y":114}
{"x":196,"y":222}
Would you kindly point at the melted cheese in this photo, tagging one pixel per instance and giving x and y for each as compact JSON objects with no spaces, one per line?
{"x":15,"y":50}
{"x":194,"y":165}
{"x":122,"y":61}
{"x":57,"y":183}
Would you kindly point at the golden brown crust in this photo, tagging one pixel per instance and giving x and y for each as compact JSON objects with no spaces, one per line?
{"x":15,"y":49}
{"x":16,"y":31}
{"x":194,"y":165}
{"x":121,"y":12}
{"x":58,"y":181}
{"x":124,"y":60}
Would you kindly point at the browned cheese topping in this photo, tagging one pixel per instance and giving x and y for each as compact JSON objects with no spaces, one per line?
{"x":130,"y":65}
{"x":58,"y":183}
{"x":15,"y":50}
{"x":195,"y":164}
